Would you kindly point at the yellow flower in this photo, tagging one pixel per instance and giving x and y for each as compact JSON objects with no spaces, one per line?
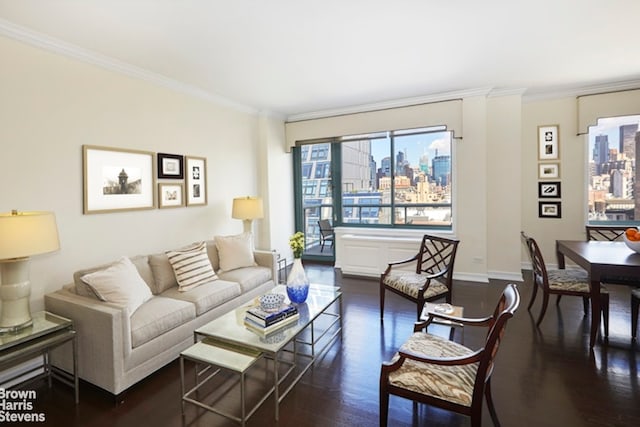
{"x":296,"y":242}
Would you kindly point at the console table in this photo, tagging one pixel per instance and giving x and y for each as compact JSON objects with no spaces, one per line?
{"x":47,"y":332}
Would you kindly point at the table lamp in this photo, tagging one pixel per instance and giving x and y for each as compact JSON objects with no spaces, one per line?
{"x":247,"y":209}
{"x":22,"y":234}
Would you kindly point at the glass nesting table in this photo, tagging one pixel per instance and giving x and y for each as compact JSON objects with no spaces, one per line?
{"x":47,"y":332}
{"x":225,"y":345}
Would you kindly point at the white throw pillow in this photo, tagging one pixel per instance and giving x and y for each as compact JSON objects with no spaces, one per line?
{"x":235,"y":251}
{"x":191,"y":266}
{"x":120,"y":283}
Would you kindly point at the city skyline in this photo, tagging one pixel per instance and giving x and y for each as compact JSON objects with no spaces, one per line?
{"x":414,"y":147}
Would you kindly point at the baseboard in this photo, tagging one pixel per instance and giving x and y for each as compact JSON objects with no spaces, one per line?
{"x":506,"y":275}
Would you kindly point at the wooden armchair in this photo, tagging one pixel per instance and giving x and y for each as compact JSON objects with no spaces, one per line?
{"x":438,"y":372}
{"x":326,"y":233}
{"x":561,"y":282}
{"x":432,"y":278}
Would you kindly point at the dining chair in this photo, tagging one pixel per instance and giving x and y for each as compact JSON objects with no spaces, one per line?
{"x":609,"y":233}
{"x":438,"y":372}
{"x":431,"y":277}
{"x":326,"y":233}
{"x":561,"y":282}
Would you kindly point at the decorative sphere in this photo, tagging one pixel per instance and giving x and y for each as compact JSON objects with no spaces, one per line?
{"x":269,"y":302}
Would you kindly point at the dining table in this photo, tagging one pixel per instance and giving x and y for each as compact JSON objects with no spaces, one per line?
{"x":606,"y":262}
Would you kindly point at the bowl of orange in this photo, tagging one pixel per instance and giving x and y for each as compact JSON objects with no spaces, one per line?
{"x":631,"y":237}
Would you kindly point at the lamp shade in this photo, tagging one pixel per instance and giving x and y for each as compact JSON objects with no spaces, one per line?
{"x":247,"y":208}
{"x":23,"y":234}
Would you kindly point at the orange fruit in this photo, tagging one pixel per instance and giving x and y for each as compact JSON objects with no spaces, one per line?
{"x":632,"y":234}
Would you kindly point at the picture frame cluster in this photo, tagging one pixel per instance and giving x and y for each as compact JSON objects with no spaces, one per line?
{"x":118,"y":179}
{"x":549,"y":169}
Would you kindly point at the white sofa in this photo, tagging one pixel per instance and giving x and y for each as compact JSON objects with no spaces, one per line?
{"x":117,"y":349}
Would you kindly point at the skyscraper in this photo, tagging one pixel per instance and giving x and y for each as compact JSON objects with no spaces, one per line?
{"x":600,"y":152}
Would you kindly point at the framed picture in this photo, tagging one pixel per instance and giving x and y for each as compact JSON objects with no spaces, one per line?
{"x":170,"y":195}
{"x":170,"y":166}
{"x":549,"y":210}
{"x":196,"y":170}
{"x":548,"y":143}
{"x":117,"y":179}
{"x":549,"y":170}
{"x":549,"y":190}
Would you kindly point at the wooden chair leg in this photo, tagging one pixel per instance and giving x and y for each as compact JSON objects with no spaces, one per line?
{"x":635,"y":305}
{"x":585,"y":304}
{"x":543,"y":309}
{"x":384,"y":406}
{"x":492,"y":409}
{"x":534,"y":292}
{"x":558,"y":299}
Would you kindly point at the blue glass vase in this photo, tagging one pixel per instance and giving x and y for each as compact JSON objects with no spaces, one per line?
{"x":297,"y":283}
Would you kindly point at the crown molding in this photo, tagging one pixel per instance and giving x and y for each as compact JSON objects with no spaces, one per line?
{"x":386,"y":105}
{"x":577,"y":91}
{"x":51,"y":44}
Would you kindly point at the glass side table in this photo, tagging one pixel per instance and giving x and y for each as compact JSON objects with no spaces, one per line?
{"x":47,"y":332}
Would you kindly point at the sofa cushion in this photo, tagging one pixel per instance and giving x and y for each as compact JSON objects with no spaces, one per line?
{"x":140,"y":262}
{"x":163,"y":275}
{"x":248,"y":277}
{"x":157,"y":316}
{"x":206,"y":296}
{"x":212,"y":251}
{"x":120,"y":283}
{"x":235,"y":251}
{"x":191,"y":266}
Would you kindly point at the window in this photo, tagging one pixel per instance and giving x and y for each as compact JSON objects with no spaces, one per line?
{"x":397,"y":178}
{"x":613,"y":192}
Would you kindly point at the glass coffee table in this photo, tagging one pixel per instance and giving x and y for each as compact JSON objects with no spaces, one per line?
{"x":295,"y":347}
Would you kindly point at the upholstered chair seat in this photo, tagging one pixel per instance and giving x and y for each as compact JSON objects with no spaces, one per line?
{"x":411,"y":283}
{"x":451,"y":383}
{"x":570,"y":280}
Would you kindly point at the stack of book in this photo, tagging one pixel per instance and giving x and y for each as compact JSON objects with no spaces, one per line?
{"x":265,"y":322}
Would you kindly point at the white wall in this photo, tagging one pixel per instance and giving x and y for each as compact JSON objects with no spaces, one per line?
{"x":573,"y":176}
{"x":51,"y":105}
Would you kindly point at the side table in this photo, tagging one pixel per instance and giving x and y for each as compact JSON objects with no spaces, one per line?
{"x":47,"y":332}
{"x":455,"y":311}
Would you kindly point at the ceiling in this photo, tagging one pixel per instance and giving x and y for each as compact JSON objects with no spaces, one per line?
{"x":294,"y":58}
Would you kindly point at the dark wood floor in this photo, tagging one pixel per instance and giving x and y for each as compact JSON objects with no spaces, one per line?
{"x":545,"y":377}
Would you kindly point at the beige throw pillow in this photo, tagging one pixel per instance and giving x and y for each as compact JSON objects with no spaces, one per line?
{"x":235,"y":251}
{"x":120,"y":283}
{"x":191,"y":266}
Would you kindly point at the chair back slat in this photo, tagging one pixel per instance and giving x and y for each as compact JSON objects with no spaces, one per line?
{"x":537,"y":261}
{"x":606,"y":233}
{"x":436,"y":254}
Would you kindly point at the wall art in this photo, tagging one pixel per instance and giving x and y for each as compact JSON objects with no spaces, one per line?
{"x":170,"y":195}
{"x":549,"y":210}
{"x":548,"y":142}
{"x":549,"y":190}
{"x":549,"y":170}
{"x":196,"y":170}
{"x":170,"y":166}
{"x":117,"y":179}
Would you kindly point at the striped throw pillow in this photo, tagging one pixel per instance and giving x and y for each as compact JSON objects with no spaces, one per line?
{"x":191,"y":266}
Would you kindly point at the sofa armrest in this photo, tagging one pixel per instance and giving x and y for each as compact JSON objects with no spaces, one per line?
{"x":268,"y":259}
{"x":101,"y":331}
